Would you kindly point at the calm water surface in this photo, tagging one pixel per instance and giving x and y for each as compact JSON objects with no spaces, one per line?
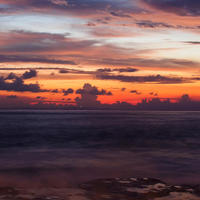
{"x":60,"y":148}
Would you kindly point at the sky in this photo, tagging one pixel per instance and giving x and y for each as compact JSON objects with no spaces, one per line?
{"x":86,"y":52}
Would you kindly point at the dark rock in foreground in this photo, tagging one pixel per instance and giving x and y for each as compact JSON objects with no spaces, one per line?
{"x":108,"y":189}
{"x":138,"y":189}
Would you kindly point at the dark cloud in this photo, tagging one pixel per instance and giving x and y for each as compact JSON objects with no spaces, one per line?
{"x":89,"y":95}
{"x":41,"y":98}
{"x":142,"y":62}
{"x":72,"y":7}
{"x":63,"y":71}
{"x":26,"y":46}
{"x":29,"y":74}
{"x":88,"y":101}
{"x":120,"y":70}
{"x":18,"y":85}
{"x":12,"y":97}
{"x":29,"y":59}
{"x":11,"y":76}
{"x":14,"y":102}
{"x":193,"y":42}
{"x":153,"y":94}
{"x":49,"y":48}
{"x":91,"y":24}
{"x":67,"y":70}
{"x":196,"y":78}
{"x":151,"y":24}
{"x":28,"y":68}
{"x":179,"y":7}
{"x":143,"y":79}
{"x":123,"y":89}
{"x":129,"y":69}
{"x":55,"y":91}
{"x":185,"y":99}
{"x":30,"y":42}
{"x":68,"y":91}
{"x":182,"y":103}
{"x":135,"y":92}
{"x":104,"y":70}
{"x":119,"y":14}
{"x":92,"y":90}
{"x":103,"y":20}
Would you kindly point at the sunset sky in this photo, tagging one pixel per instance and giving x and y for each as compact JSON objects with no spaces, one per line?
{"x":57,"y":51}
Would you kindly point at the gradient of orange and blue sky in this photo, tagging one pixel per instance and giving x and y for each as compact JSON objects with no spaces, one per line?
{"x":126,"y":50}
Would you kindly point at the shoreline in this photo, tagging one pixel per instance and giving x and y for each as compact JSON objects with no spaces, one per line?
{"x":107,"y":189}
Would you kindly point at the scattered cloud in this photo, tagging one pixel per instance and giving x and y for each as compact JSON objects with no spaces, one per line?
{"x":89,"y":95}
{"x":144,"y":79}
{"x":92,"y":90}
{"x":151,"y":24}
{"x":120,"y":70}
{"x":11,"y":76}
{"x":193,"y":42}
{"x":144,"y":62}
{"x":120,"y":14}
{"x":63,"y":71}
{"x":71,"y":7}
{"x":17,"y":84}
{"x":55,"y":91}
{"x":29,"y":74}
{"x":135,"y":92}
{"x":91,"y":102}
{"x":68,"y":91}
{"x":153,"y":94}
{"x":123,"y":89}
{"x":179,"y":7}
{"x":33,"y":59}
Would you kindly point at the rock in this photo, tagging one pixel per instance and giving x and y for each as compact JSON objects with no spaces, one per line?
{"x":108,"y":189}
{"x":138,"y":189}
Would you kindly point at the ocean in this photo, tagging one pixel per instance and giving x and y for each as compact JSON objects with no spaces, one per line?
{"x":62,"y":148}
